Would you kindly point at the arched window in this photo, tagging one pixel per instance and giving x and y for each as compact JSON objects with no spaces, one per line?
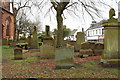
{"x":2,"y":30}
{"x":7,"y":27}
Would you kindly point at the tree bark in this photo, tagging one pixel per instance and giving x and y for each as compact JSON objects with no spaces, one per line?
{"x":60,"y":29}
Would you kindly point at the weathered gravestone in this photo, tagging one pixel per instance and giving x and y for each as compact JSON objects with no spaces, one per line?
{"x":63,"y":54}
{"x":98,"y":49}
{"x":34,"y":44}
{"x":64,"y":58}
{"x":18,"y":55}
{"x":80,"y":38}
{"x":86,"y":49}
{"x":29,"y":40}
{"x":47,"y":39}
{"x":111,"y":48}
{"x":47,"y":30}
{"x":47,"y":50}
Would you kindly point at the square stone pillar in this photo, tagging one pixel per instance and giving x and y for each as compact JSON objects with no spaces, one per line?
{"x":111,"y":53}
{"x":111,"y":42}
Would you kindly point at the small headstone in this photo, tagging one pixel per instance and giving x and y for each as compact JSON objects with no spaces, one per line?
{"x":47,"y":31}
{"x":18,"y":55}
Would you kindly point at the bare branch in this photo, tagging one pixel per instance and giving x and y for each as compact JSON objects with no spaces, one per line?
{"x":54,"y":4}
{"x":48,"y":10}
{"x":71,"y":5}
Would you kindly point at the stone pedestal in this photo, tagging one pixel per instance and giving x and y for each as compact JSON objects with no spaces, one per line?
{"x":111,"y":48}
{"x":18,"y":55}
{"x":111,"y":41}
{"x":64,"y":58}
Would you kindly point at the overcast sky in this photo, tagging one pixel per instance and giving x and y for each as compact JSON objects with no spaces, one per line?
{"x":71,"y":21}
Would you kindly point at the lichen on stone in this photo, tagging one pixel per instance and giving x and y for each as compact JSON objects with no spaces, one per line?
{"x":111,"y":21}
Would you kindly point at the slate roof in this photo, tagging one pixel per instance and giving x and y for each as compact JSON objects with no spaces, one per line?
{"x":72,"y":32}
{"x":96,"y":25}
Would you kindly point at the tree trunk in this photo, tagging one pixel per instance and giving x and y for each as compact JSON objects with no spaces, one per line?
{"x":14,"y":14}
{"x":60,"y":30}
{"x":17,"y":37}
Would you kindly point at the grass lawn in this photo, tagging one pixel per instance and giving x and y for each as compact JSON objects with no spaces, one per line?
{"x":33,"y":66}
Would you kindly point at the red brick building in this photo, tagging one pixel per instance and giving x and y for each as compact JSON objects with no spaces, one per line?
{"x":7,"y":20}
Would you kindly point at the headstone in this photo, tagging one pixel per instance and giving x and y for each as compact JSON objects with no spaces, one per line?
{"x":47,"y":39}
{"x":48,"y":42}
{"x":80,"y":38}
{"x":47,"y":51}
{"x":29,"y":40}
{"x":47,"y":31}
{"x":35,"y":44}
{"x":87,"y":48}
{"x":98,"y":49}
{"x":111,"y":48}
{"x":64,"y":58}
{"x":18,"y":55}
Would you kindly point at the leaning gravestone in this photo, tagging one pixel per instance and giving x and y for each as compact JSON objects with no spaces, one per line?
{"x":80,"y":38}
{"x":111,"y":48}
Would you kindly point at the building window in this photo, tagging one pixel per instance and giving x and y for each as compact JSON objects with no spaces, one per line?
{"x":102,"y":31}
{"x":88,"y":33}
{"x":7,"y":27}
{"x":99,"y":31}
{"x":93,"y":32}
{"x":96,"y":31}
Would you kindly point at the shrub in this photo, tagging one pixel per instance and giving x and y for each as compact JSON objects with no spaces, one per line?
{"x":22,"y":38}
{"x":46,"y":37}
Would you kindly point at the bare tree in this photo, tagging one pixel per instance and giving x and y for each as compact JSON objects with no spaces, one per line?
{"x":71,"y":6}
{"x":17,"y":7}
{"x":59,"y":7}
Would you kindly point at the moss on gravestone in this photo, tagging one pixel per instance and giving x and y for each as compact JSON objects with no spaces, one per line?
{"x":64,"y":57}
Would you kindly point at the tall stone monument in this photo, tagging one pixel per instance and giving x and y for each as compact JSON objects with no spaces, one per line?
{"x":111,"y":38}
{"x":47,"y":50}
{"x":34,"y":39}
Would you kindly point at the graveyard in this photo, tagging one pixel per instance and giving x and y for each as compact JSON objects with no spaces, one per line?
{"x":47,"y":54}
{"x":42,"y":59}
{"x":32,"y":66}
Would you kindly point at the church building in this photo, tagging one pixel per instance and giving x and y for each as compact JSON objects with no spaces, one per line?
{"x":6,"y":21}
